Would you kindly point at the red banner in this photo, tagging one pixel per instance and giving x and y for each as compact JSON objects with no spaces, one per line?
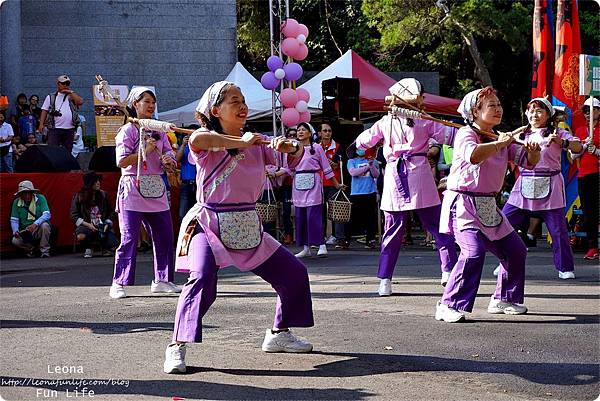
{"x":565,"y":88}
{"x":543,"y":49}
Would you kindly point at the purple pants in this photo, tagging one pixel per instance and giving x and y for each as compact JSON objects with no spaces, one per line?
{"x":461,"y":290}
{"x":395,"y":226}
{"x":309,"y":225}
{"x":287,"y":276}
{"x":160,"y":229}
{"x":557,"y":226}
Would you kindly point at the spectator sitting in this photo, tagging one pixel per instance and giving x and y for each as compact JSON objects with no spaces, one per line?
{"x":6,"y":137}
{"x":30,"y":220}
{"x":91,"y":212}
{"x":17,"y":149}
{"x":31,"y":140}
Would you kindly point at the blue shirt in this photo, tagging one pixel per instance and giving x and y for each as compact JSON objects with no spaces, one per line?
{"x":363,"y":184}
{"x":26,"y":125}
{"x":188,"y":170}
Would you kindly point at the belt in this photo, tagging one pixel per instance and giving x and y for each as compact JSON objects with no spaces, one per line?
{"x":533,"y":173}
{"x":470,"y":193}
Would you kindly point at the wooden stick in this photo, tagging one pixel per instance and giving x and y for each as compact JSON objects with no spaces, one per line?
{"x":424,"y":116}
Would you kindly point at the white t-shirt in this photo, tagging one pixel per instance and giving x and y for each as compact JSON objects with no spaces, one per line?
{"x":62,"y":104}
{"x":6,"y":132}
{"x":78,"y":140}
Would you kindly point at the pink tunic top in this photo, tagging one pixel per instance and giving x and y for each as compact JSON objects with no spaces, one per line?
{"x":310,"y":165}
{"x":128,"y":195}
{"x":486,"y":177}
{"x":549,"y":163}
{"x":414,"y":186}
{"x":225,"y":183}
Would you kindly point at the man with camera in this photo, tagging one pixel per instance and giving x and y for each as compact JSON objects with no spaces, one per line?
{"x":59,"y":114}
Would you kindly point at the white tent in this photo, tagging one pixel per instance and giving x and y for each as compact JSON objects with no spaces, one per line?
{"x":258,"y":99}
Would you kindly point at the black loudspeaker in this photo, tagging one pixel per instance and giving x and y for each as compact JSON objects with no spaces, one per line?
{"x":341,"y":87}
{"x":341,"y":98}
{"x":104,"y":159}
{"x":46,"y":159}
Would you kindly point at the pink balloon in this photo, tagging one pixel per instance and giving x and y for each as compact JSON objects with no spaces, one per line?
{"x":290,"y":46}
{"x":290,"y":28}
{"x":304,"y":117}
{"x":301,"y":106}
{"x":290,"y":117}
{"x":269,"y":81}
{"x":288,"y":97}
{"x":303,"y":94}
{"x":302,"y":30}
{"x":301,"y":53}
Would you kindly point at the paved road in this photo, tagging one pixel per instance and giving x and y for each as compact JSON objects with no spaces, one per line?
{"x":56,"y":315}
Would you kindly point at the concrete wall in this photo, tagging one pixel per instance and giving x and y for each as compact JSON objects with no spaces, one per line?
{"x":179,"y":46}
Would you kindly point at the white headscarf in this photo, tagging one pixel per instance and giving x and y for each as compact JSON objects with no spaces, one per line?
{"x":546,"y":103}
{"x":407,"y":89}
{"x":136,"y":94}
{"x":208,"y":99}
{"x":467,"y":104}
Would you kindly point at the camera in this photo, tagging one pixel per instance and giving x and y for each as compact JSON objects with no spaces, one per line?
{"x":55,"y":113}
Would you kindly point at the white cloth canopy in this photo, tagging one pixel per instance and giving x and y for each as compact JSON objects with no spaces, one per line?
{"x":257,"y":98}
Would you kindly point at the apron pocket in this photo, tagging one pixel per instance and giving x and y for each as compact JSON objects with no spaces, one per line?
{"x":240,"y":229}
{"x":487,"y":211}
{"x":304,"y":181}
{"x":151,"y":186}
{"x":533,"y":187}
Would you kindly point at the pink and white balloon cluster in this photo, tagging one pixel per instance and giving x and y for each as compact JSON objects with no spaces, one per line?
{"x":295,"y":102}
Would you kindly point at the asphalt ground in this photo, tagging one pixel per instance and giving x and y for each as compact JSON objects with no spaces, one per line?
{"x":56,"y":315}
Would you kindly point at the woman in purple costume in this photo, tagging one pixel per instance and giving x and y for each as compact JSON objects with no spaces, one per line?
{"x":143,"y":199}
{"x":542,"y":189}
{"x":307,"y":193}
{"x":408,"y":184}
{"x":223,"y":228}
{"x":469,"y":210}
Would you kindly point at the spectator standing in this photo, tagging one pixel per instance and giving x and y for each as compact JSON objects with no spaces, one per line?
{"x":6,"y":137}
{"x":20,"y":106}
{"x":30,"y":220}
{"x":34,"y":106}
{"x":333,"y":154}
{"x":363,"y":194}
{"x":59,"y":114}
{"x":187,"y":192}
{"x":26,"y":124}
{"x":588,"y":175}
{"x":78,"y":145}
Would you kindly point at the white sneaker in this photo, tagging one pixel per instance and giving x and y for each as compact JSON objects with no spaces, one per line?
{"x":164,"y":287}
{"x":331,"y":240}
{"x":88,"y":253}
{"x":385,"y":287}
{"x":284,"y":341}
{"x":448,"y":314}
{"x":117,"y":291}
{"x":322,"y":252}
{"x":304,"y":253}
{"x":445,"y":278}
{"x":566,"y":275}
{"x":497,"y":306}
{"x":174,"y":359}
{"x":497,"y":271}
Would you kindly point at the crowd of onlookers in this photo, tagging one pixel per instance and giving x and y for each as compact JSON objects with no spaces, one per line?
{"x":56,"y":122}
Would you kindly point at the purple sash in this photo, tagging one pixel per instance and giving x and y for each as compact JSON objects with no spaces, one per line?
{"x":401,"y":173}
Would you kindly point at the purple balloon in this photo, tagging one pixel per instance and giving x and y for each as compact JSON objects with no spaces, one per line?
{"x":293,"y":71}
{"x":274,"y":62}
{"x":269,"y":80}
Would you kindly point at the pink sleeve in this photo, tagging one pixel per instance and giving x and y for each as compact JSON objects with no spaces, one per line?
{"x":518,"y":155}
{"x":124,"y":142}
{"x":370,"y":137}
{"x":437,"y":131}
{"x":465,"y":143}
